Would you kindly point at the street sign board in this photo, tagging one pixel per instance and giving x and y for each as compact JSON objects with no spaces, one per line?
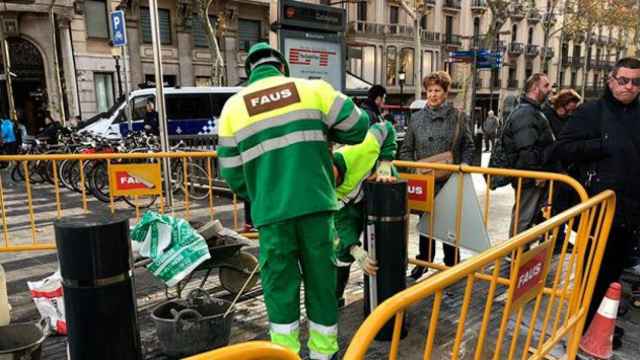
{"x":118,"y":28}
{"x":303,"y":15}
{"x":314,"y":55}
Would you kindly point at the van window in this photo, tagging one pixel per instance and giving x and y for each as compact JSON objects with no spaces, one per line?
{"x":139,"y":107}
{"x":188,"y":106}
{"x":219,"y":100}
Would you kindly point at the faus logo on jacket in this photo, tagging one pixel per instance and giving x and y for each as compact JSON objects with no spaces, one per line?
{"x":271,"y":98}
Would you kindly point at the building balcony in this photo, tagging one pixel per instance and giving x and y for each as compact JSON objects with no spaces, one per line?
{"x":566,"y":60}
{"x":452,"y":40}
{"x":516,"y":11}
{"x":431,"y":37}
{"x":376,"y":29}
{"x":594,"y":39}
{"x":580,"y":37}
{"x":532,"y":51}
{"x":603,"y":40}
{"x":516,"y":49}
{"x":547,"y":53}
{"x":451,"y":5}
{"x":512,"y":84}
{"x":534,"y":16}
{"x":478,"y":6}
{"x":576,"y":61}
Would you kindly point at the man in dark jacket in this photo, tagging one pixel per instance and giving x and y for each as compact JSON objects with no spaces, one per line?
{"x":527,"y":134}
{"x":373,"y":104}
{"x":603,"y":140}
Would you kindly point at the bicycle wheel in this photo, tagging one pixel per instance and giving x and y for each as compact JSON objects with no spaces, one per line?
{"x":197,"y":180}
{"x":99,"y":182}
{"x":143,"y":202}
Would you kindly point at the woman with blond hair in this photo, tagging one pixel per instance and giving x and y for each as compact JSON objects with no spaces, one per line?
{"x":436,"y":129}
{"x":562,"y":105}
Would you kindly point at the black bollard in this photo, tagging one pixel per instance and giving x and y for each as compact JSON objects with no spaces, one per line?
{"x":386,"y":236}
{"x":99,"y":299}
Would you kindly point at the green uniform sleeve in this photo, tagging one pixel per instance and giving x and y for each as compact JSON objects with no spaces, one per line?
{"x":388,"y":146}
{"x":346,"y":122}
{"x":231,"y":168}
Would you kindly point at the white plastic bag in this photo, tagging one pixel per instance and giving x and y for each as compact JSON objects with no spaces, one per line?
{"x":49,"y":299}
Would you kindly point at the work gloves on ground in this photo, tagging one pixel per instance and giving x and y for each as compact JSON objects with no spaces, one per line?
{"x":383,"y":173}
{"x":367,"y":264}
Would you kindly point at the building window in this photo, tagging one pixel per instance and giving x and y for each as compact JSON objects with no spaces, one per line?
{"x":427,"y":63}
{"x":530,"y":37}
{"x":103,"y":83}
{"x":476,"y":31}
{"x":394,"y":15}
{"x":200,"y":38}
{"x":448,"y":23}
{"x":406,"y":65}
{"x":562,"y":77}
{"x":514,"y":33}
{"x":495,"y":78}
{"x":423,"y":22}
{"x":96,"y":19}
{"x":362,"y":11}
{"x":574,"y":79}
{"x":392,"y":54}
{"x":164,"y":19}
{"x":249,"y":33}
{"x":362,"y":62}
{"x":528,"y":71}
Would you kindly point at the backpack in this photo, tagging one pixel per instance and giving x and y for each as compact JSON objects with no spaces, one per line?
{"x":8,"y":133}
{"x":500,"y":158}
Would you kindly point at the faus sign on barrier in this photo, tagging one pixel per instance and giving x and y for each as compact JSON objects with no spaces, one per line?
{"x":135,"y":179}
{"x":420,"y":189}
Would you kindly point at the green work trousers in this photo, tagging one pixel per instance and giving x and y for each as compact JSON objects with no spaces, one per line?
{"x":295,"y":250}
{"x":350,"y":223}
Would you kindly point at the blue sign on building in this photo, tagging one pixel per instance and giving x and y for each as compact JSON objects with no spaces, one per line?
{"x":118,"y":28}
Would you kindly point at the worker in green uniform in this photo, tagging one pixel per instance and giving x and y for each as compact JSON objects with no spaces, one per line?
{"x":274,"y":138}
{"x":352,"y":166}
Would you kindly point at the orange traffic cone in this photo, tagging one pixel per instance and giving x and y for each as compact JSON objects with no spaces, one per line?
{"x":597,"y":342}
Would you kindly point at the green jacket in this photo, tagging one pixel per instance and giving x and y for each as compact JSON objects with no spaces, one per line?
{"x":357,"y":162}
{"x":274,"y":143}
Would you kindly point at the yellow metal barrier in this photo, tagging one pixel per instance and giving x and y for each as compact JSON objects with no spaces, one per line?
{"x":195,"y":172}
{"x":562,"y":287}
{"x":253,"y":350}
{"x":546,"y":179}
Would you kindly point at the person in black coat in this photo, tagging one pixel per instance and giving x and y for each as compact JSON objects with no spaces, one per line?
{"x":527,"y":135}
{"x":558,"y":111}
{"x":373,"y":104}
{"x":151,"y":119}
{"x":602,"y":140}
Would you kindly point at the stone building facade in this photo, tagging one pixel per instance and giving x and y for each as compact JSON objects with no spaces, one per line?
{"x":380,"y":40}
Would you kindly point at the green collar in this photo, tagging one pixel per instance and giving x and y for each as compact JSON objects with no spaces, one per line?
{"x":262,"y":72}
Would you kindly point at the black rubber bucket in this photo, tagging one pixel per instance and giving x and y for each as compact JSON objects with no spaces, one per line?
{"x":21,"y":342}
{"x":185,"y":328}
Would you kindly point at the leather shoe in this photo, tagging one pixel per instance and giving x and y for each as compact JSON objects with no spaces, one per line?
{"x":417,"y":272}
{"x":616,"y":343}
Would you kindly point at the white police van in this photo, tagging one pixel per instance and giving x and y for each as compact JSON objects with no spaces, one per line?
{"x":190,"y":111}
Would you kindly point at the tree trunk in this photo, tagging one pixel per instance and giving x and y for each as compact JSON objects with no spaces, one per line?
{"x":217,"y":68}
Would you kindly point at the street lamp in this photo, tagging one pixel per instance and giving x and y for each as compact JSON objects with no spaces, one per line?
{"x":401,"y":77}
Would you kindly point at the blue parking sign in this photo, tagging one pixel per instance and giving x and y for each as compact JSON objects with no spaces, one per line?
{"x":118,"y":28}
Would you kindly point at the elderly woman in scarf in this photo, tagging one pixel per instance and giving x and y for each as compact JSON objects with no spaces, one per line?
{"x":436,"y":129}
